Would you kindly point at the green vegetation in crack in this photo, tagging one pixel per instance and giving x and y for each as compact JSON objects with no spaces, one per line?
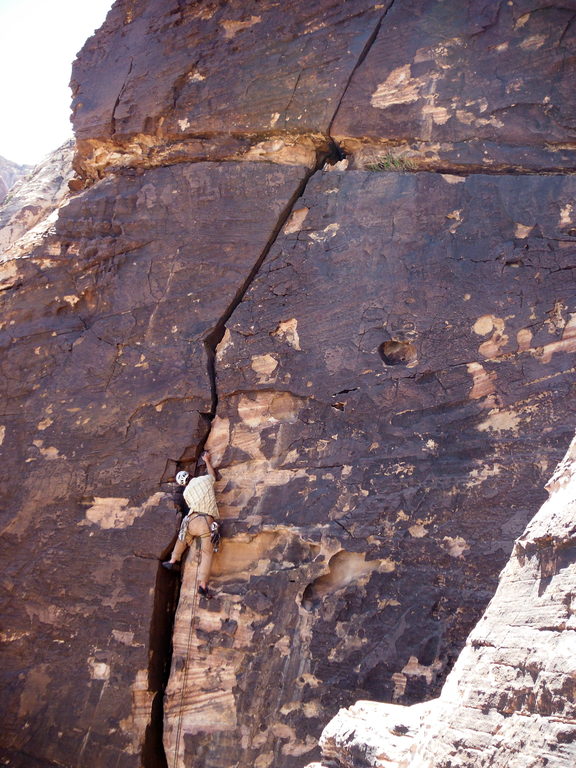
{"x":390,"y":162}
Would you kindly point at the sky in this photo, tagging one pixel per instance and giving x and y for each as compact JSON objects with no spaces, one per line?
{"x":39,"y":40}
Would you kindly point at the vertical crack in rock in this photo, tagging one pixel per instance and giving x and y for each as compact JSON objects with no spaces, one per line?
{"x":335,"y":153}
{"x":361,"y":58}
{"x":166,"y":598}
{"x":154,"y":755}
{"x":216,"y":334}
{"x":119,"y":97}
{"x":424,"y":237}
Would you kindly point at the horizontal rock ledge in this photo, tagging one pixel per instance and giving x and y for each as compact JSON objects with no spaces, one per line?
{"x":97,"y":157}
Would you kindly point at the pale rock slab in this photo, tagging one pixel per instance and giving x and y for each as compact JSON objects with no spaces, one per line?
{"x":509,"y":700}
{"x":33,"y":198}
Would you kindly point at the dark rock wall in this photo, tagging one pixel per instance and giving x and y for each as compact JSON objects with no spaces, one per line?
{"x":381,"y":363}
{"x":226,"y":67}
{"x":468,"y":84}
{"x":104,"y":379}
{"x":169,"y":81}
{"x":419,"y":466}
{"x":509,"y":699}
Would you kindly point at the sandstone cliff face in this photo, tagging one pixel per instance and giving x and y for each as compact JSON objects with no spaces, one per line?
{"x":510,"y":698}
{"x":471,"y":84}
{"x":381,"y":363}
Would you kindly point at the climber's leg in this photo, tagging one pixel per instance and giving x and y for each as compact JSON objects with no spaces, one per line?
{"x":178,"y":551}
{"x":206,"y":561}
{"x":184,"y":540}
{"x":200,"y":528}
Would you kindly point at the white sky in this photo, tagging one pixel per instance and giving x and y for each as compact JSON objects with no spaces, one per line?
{"x":39,"y":40}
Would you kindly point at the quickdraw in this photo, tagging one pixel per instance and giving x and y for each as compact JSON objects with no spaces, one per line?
{"x":215,"y":535}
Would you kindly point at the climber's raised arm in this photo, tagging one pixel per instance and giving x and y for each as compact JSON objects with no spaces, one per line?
{"x":208,"y":462}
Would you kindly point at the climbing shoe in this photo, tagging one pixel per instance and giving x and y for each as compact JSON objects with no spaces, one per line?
{"x":171,"y":566}
{"x":204,"y":592}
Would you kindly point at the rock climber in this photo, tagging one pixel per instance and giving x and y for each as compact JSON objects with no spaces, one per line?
{"x":198,"y":523}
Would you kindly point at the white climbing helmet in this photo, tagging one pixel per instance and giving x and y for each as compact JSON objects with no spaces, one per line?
{"x":182,"y":478}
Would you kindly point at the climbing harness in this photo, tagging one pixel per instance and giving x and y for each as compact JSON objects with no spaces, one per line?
{"x":214,"y":528}
{"x":188,"y":648}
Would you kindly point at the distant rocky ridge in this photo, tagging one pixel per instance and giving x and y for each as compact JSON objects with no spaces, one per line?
{"x":34,"y":197}
{"x":9,"y":174}
{"x":335,"y":243}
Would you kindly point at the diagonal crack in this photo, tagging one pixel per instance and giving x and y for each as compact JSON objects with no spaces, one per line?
{"x":119,"y":97}
{"x":361,"y":58}
{"x":214,"y":337}
{"x":168,"y":603}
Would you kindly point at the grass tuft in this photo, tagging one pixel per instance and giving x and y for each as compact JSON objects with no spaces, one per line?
{"x":391,"y":162}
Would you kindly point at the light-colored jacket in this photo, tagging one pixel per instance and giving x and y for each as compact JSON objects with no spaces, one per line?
{"x":199,"y":496}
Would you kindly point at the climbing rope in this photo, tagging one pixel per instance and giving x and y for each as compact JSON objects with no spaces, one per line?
{"x":188,"y":648}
